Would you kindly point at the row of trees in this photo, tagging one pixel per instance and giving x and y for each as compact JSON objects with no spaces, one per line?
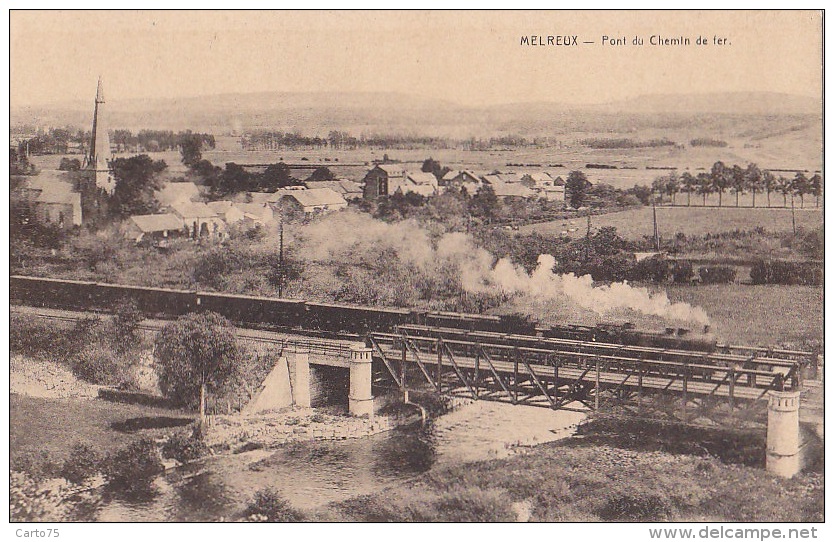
{"x":722,"y":178}
{"x":61,"y":140}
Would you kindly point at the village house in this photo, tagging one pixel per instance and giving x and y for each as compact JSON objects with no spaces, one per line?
{"x":153,"y":229}
{"x":465,"y":179}
{"x":419,"y":182}
{"x":53,"y":199}
{"x":199,"y":219}
{"x":384,"y":179}
{"x":313,"y":201}
{"x":537,"y":180}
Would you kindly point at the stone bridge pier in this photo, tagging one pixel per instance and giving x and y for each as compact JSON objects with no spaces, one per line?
{"x":360,"y":399}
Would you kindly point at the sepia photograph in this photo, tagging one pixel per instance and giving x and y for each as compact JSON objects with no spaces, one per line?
{"x":425,"y":266}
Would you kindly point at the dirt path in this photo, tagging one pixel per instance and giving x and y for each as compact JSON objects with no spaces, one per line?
{"x":38,"y":378}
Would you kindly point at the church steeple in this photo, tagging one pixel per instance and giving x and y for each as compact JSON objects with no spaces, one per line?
{"x":99,"y":158}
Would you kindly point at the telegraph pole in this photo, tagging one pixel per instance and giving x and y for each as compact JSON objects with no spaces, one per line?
{"x":793,"y":216}
{"x":654,"y":221}
{"x":281,"y":257}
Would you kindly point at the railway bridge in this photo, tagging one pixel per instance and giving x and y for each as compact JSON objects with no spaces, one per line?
{"x":744,"y":388}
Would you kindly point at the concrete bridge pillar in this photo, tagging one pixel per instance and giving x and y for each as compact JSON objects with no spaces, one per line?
{"x":360,"y":400}
{"x":301,"y":379}
{"x":783,"y":443}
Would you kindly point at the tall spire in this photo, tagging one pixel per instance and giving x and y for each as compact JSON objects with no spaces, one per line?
{"x":99,"y":157}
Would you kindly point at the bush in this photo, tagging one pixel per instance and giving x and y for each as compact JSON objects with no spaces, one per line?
{"x":654,"y":269}
{"x":717,"y":274}
{"x":640,"y":507}
{"x":126,"y":325}
{"x":132,"y":468}
{"x":29,"y":502}
{"x":269,"y":506}
{"x":184,"y":446}
{"x":682,"y":271}
{"x":82,"y":464}
{"x":100,"y":364}
{"x":780,"y":272}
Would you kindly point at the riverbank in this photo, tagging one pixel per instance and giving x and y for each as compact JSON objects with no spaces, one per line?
{"x":606,"y":472}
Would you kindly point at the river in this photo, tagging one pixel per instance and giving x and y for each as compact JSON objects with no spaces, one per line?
{"x":312,"y":474}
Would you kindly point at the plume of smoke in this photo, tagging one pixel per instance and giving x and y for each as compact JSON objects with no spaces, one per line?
{"x":349,"y":237}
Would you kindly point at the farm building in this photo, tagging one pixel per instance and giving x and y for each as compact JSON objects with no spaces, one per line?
{"x":58,"y":206}
{"x":348,"y":189}
{"x":508,"y":191}
{"x":173,"y":193}
{"x":553,"y":193}
{"x":153,"y":228}
{"x":537,"y":180}
{"x":314,"y":201}
{"x":255,"y":214}
{"x":226,"y":210}
{"x":199,"y":219}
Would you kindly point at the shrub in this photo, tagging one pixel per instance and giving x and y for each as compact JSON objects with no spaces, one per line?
{"x":132,"y":468}
{"x":28,"y":501}
{"x":184,"y":446}
{"x":654,"y":269}
{"x":100,"y":364}
{"x":682,"y":271}
{"x":126,"y":325}
{"x":717,"y":274}
{"x":639,"y":507}
{"x":269,"y":506}
{"x":780,"y":272}
{"x":82,"y":464}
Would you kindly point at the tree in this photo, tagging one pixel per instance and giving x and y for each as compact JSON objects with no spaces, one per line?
{"x":321,"y":174}
{"x":720,"y":178}
{"x":576,"y":188}
{"x":433,"y":166}
{"x":753,"y":179}
{"x":484,"y":203}
{"x":784,"y":186}
{"x":801,"y":187}
{"x":672,"y":185}
{"x":705,"y":186}
{"x":738,"y":181}
{"x":277,"y":176}
{"x":69,"y":164}
{"x":137,"y":178}
{"x":195,"y":354}
{"x":815,"y":185}
{"x":769,"y":184}
{"x":191,"y":146}
{"x":689,"y":184}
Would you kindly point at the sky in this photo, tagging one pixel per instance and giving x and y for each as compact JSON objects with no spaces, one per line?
{"x":470,"y":58}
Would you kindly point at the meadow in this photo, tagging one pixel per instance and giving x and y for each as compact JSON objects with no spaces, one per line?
{"x":634,"y":224}
{"x":758,"y":315}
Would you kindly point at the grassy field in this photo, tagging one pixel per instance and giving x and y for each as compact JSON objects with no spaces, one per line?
{"x":636,"y":223}
{"x":54,"y":425}
{"x":761,"y":314}
{"x":616,"y":472}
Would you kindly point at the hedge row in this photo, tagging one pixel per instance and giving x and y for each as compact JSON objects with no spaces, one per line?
{"x":781,"y":272}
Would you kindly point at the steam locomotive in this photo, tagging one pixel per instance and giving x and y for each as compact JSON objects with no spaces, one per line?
{"x":332,"y":318}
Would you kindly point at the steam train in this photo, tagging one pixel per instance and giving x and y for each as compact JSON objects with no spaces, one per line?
{"x":332,"y":318}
